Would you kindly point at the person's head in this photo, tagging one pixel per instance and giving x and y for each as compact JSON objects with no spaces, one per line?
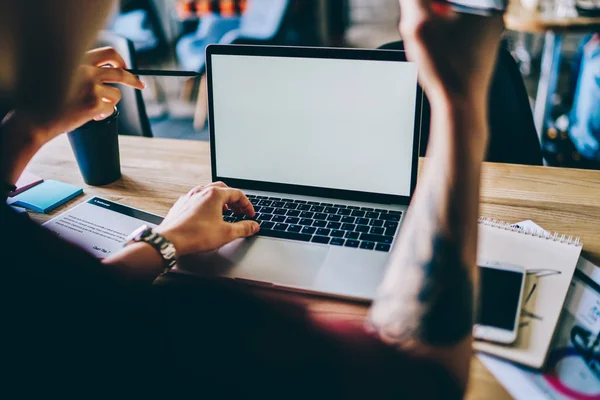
{"x":41,"y":43}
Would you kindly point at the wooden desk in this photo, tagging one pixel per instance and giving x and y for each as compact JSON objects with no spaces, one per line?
{"x":157,"y":171}
{"x":521,"y":20}
{"x":554,"y":27}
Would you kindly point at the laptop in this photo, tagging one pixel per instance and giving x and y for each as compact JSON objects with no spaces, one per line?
{"x":324,"y":142}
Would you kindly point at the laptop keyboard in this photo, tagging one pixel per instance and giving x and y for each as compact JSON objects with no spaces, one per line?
{"x":325,"y":223}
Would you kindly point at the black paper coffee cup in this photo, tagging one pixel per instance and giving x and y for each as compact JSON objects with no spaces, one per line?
{"x":96,"y":148}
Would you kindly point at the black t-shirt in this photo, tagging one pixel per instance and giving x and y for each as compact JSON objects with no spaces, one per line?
{"x":72,"y":329}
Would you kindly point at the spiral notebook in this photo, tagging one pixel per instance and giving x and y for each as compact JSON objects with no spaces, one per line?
{"x":550,"y":260}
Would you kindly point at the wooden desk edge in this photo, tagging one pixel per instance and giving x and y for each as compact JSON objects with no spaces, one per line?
{"x":527,"y":25}
{"x":520,"y":19}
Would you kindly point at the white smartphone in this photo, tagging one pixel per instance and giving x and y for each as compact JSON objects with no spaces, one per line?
{"x":501,"y":288}
{"x":480,"y":7}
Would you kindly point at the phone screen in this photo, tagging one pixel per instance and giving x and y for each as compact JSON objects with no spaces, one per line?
{"x":499,"y":298}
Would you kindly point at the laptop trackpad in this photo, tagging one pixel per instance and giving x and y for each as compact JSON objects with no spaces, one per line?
{"x":280,"y":262}
{"x":353,"y":273}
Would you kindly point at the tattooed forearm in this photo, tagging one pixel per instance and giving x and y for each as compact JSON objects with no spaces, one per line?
{"x":446,"y":295}
{"x":427,"y":297}
{"x":425,"y":302}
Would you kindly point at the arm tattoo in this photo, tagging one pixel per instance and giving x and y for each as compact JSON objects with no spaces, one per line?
{"x":428,"y":297}
{"x":446,"y":295}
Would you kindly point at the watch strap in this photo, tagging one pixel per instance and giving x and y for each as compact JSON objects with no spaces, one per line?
{"x":165,"y":248}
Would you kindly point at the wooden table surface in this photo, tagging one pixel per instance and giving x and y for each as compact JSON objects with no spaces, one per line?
{"x":157,"y":171}
{"x":521,"y":20}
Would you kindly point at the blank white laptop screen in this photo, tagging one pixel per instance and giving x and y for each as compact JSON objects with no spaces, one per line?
{"x":328,"y":123}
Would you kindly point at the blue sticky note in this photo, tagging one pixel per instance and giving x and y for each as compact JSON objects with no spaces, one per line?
{"x":47,"y":196}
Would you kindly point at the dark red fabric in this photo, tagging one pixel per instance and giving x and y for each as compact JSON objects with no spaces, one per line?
{"x":71,"y":329}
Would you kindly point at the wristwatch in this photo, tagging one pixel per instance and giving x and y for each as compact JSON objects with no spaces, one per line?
{"x":165,"y":248}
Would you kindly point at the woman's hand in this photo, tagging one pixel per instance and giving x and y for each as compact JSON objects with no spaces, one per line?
{"x":451,"y":49}
{"x":195,"y":223}
{"x":90,"y":97}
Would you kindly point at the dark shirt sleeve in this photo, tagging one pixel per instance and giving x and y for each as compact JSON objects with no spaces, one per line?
{"x":4,"y":186}
{"x":76,"y":330}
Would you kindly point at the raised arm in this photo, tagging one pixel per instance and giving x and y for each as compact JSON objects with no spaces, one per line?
{"x":426,"y":302}
{"x":23,"y":134}
{"x":41,"y":45}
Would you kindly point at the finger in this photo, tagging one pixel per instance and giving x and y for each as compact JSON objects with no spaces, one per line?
{"x":221,"y":185}
{"x":237,"y":201}
{"x":103,"y":111}
{"x":105,"y":56}
{"x":242,"y":229}
{"x":218,"y":184}
{"x":109,"y":94}
{"x":118,"y":75}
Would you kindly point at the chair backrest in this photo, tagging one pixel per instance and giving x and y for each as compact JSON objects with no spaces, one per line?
{"x":264,"y":20}
{"x":133,"y":119}
{"x":513,"y":137}
{"x":212,"y":27}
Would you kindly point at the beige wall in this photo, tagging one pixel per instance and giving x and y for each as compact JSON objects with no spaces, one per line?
{"x":373,"y":23}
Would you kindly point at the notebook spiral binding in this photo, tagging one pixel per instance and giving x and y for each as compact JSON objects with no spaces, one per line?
{"x":542,"y":234}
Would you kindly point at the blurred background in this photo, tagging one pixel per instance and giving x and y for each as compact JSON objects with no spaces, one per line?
{"x":553,"y":43}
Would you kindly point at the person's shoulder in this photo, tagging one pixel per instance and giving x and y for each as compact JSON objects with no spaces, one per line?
{"x":36,"y":251}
